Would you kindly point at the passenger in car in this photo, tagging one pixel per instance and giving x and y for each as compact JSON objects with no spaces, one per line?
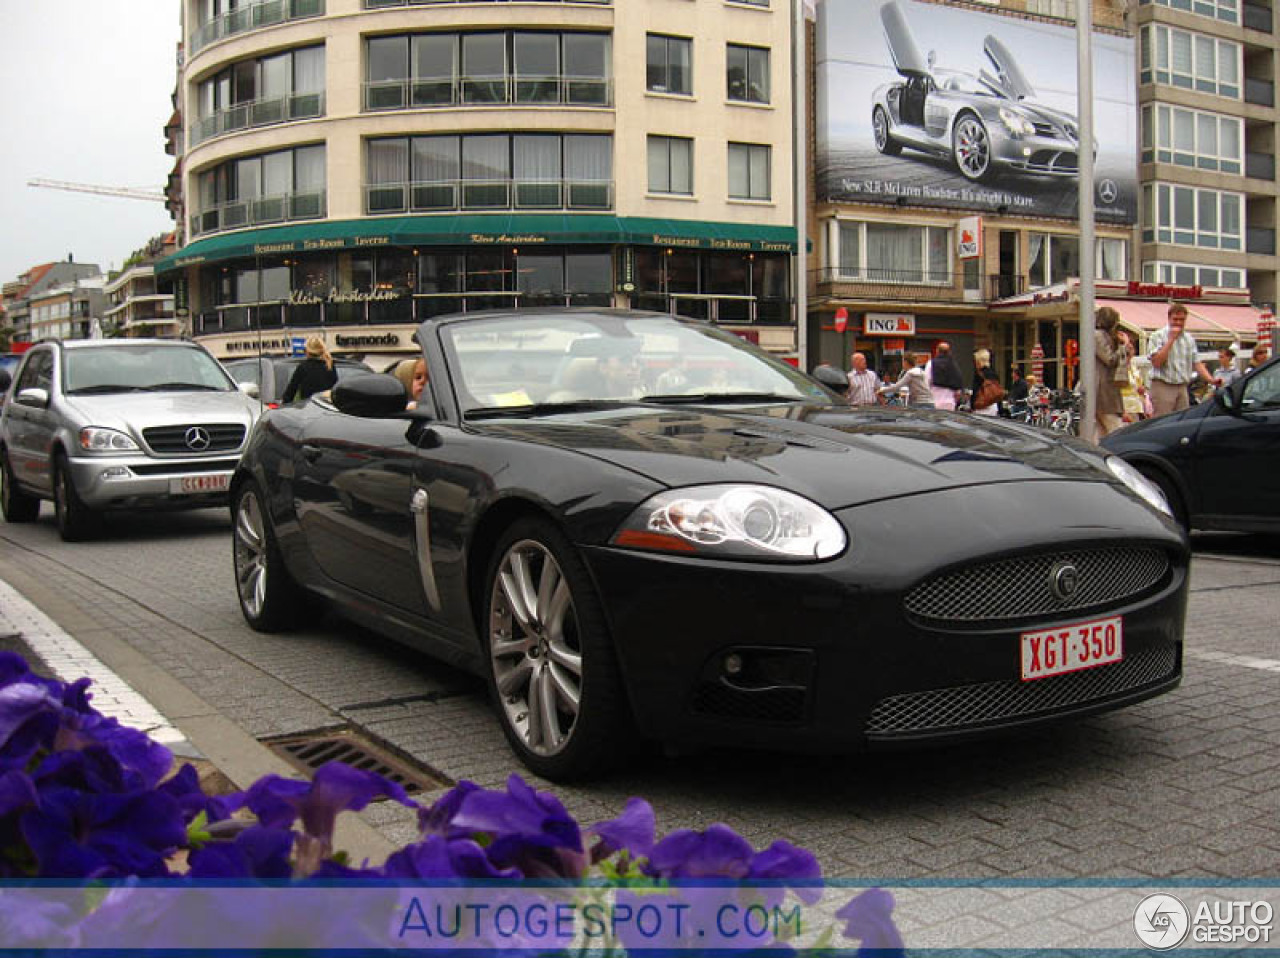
{"x":412,"y":374}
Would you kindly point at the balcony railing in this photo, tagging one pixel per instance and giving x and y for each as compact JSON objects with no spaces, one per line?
{"x":1260,"y":239}
{"x":1002,"y":285}
{"x":920,"y":283}
{"x":1257,"y":17}
{"x":379,"y":4}
{"x":251,"y":17}
{"x":1260,"y":166}
{"x":278,"y":208}
{"x":473,"y":90}
{"x":243,"y":116}
{"x":444,"y":195}
{"x":1261,"y":92}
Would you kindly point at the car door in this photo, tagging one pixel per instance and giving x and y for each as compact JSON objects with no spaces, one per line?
{"x":31,"y":427}
{"x":353,"y":491}
{"x":1237,"y":455}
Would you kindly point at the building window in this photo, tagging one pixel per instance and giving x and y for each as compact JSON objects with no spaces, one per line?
{"x":1188,"y":274}
{"x":668,"y":64}
{"x":749,"y":175}
{"x":1228,"y":11}
{"x":445,"y":69}
{"x":894,"y":253}
{"x":671,"y":165}
{"x":1190,"y":61}
{"x":275,"y":89}
{"x":1186,"y":216}
{"x":1055,"y":258}
{"x":748,"y":73}
{"x":490,"y":171}
{"x":267,"y":188}
{"x":1191,"y":138}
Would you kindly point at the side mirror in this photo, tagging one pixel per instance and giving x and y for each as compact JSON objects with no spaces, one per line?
{"x":250,"y":389}
{"x":832,"y":378}
{"x":35,"y":397}
{"x":372,"y":396}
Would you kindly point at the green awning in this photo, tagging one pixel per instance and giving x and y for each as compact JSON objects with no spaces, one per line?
{"x":496,"y":229}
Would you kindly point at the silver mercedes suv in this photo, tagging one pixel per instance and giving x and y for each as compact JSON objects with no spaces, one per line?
{"x":107,"y":424}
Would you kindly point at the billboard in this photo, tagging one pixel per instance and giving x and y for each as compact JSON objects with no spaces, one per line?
{"x":931,"y":105}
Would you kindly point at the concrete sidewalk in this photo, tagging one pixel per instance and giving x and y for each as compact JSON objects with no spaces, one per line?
{"x":170,"y":713}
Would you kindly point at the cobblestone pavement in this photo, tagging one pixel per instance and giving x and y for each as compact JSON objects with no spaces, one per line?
{"x":1187,"y":785}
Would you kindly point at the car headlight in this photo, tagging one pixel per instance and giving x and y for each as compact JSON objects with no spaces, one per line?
{"x":101,"y":439}
{"x":1015,"y":123}
{"x":1139,"y":483}
{"x":739,"y":521}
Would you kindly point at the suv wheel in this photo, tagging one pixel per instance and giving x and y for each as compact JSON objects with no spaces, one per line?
{"x":17,"y":505}
{"x":76,"y":521}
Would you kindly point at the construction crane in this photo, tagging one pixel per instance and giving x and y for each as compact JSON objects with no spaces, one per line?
{"x":128,"y":192}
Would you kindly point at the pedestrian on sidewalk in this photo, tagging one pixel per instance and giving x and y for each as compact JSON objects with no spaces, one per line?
{"x":944,"y":377}
{"x":1112,"y":352}
{"x":1172,"y":351}
{"x":914,"y":381}
{"x":863,"y":382}
{"x":314,"y":374}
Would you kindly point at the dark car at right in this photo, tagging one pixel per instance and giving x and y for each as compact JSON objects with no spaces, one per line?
{"x":1217,"y":462}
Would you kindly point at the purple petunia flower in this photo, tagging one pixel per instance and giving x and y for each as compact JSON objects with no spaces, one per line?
{"x":633,"y":830}
{"x":257,"y":852}
{"x":438,"y":819}
{"x":440,"y":857}
{"x":869,"y":919}
{"x":531,"y":830}
{"x":29,"y":719}
{"x":184,"y":788}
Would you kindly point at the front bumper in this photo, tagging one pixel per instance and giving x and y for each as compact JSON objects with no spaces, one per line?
{"x":1041,"y":155}
{"x":134,"y":482}
{"x":834,"y":662}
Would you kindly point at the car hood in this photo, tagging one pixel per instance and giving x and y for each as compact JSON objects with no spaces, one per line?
{"x":836,"y":456}
{"x":145,"y":410}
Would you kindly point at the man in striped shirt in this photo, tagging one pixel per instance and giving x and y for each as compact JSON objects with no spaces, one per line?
{"x":863,"y":383}
{"x":1172,"y":352}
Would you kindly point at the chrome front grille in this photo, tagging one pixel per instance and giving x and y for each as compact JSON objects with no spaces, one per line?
{"x":1021,"y":587}
{"x":171,"y":440}
{"x":973,"y":706}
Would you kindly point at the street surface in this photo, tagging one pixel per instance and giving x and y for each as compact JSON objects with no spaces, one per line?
{"x":1187,"y":785}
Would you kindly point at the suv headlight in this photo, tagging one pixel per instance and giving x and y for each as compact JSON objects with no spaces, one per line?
{"x":101,"y":439}
{"x":1015,"y":123}
{"x":1139,"y":483}
{"x":734,"y":521}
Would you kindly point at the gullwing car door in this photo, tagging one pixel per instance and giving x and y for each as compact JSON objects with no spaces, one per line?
{"x":1009,"y":80}
{"x":907,"y":58}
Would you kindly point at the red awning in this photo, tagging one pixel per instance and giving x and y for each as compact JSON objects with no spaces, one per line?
{"x":1212,"y":321}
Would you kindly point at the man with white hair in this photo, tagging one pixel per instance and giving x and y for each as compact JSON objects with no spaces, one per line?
{"x":863,"y":383}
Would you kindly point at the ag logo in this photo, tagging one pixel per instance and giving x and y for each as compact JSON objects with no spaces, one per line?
{"x":1108,"y":192}
{"x":1161,"y":921}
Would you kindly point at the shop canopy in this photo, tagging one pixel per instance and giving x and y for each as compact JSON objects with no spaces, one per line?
{"x":1208,"y":320}
{"x":504,"y":229}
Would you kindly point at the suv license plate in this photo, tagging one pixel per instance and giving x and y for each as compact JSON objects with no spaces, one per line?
{"x":1083,"y":645}
{"x":219,"y":482}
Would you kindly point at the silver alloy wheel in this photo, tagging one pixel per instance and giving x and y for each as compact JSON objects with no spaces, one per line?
{"x":251,"y":554}
{"x":972,"y":147}
{"x":535,"y":647}
{"x":880,"y":125}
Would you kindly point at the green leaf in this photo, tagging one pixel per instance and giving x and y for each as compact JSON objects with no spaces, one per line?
{"x":198,"y":831}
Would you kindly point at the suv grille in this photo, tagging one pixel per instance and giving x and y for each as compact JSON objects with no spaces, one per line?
{"x":223,"y":437}
{"x":1021,"y":587}
{"x":976,"y":705}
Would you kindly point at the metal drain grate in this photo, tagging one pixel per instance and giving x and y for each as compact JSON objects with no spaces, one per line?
{"x":309,"y":751}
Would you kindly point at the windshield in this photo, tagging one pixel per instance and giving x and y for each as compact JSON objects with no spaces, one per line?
{"x":108,"y":369}
{"x":535,"y":359}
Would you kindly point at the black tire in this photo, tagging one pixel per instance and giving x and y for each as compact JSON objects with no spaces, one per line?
{"x":270,"y":599}
{"x":17,"y":505}
{"x":1171,"y":495}
{"x":559,"y":650}
{"x":971,"y":147}
{"x":76,"y":521}
{"x":885,"y":142}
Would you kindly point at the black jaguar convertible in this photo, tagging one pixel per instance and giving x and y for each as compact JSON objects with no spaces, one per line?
{"x":633,"y":522}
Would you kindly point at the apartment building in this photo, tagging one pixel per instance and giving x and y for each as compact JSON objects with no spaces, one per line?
{"x":358,"y":166}
{"x":945,"y":182}
{"x":135,"y":307}
{"x":22,"y":295}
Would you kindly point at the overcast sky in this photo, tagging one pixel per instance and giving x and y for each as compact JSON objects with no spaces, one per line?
{"x":84,"y":96}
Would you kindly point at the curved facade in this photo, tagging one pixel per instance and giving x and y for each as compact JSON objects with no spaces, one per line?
{"x":361,"y":165}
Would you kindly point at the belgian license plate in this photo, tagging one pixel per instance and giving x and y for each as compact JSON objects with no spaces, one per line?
{"x":187,"y":485}
{"x":1082,"y":645}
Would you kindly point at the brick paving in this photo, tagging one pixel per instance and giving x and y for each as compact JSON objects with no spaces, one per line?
{"x":1187,"y":785}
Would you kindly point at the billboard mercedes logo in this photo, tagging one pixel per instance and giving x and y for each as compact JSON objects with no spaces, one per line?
{"x":1064,"y":581}
{"x":1108,"y":192}
{"x":198,"y":438}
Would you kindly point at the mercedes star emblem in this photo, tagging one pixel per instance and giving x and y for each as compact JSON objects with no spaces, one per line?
{"x":1108,"y":192}
{"x":198,"y":438}
{"x":1064,"y":581}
